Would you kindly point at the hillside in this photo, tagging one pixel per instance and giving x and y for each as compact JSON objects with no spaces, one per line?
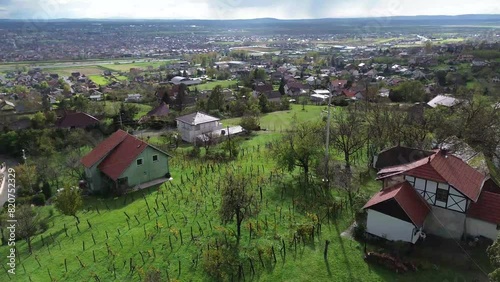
{"x":171,"y":228}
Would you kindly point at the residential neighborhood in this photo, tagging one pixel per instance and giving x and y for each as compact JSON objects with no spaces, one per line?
{"x":322,"y":149}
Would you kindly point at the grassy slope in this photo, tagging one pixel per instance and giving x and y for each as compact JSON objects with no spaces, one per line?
{"x":212,"y":84}
{"x":187,"y":205}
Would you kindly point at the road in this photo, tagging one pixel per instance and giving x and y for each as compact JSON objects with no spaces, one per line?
{"x":3,"y":186}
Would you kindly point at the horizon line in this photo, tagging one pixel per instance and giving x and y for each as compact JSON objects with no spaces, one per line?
{"x":239,"y":19}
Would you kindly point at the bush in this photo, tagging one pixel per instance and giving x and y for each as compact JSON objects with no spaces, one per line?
{"x":220,"y":262}
{"x":47,"y":190}
{"x":194,"y":152}
{"x":38,"y":200}
{"x":250,"y":123}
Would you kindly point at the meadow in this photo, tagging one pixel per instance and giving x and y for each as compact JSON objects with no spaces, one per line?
{"x":171,"y":228}
{"x":210,"y":85}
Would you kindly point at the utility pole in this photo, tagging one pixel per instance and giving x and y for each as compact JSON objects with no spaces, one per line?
{"x":327,"y":152}
{"x":229,"y":143}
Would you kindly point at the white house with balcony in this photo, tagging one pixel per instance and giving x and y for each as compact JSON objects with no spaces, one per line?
{"x":195,"y":124}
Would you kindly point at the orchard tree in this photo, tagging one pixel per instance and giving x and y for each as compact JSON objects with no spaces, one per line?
{"x":69,"y":201}
{"x":25,"y":177}
{"x":238,"y":203}
{"x":348,"y":134}
{"x":299,"y":147}
{"x":28,"y":223}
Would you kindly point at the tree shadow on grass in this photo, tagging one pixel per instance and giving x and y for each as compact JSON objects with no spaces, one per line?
{"x":344,"y":253}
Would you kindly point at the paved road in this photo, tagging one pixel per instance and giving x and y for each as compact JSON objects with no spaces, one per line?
{"x":3,"y":186}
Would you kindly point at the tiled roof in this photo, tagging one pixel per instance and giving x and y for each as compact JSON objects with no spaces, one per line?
{"x":104,"y":148}
{"x":197,"y":118}
{"x":442,"y":167}
{"x":407,"y":198}
{"x":122,"y":156}
{"x":161,"y":110}
{"x":487,"y":208}
{"x":77,"y":120}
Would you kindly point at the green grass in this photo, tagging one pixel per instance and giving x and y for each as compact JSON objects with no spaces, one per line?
{"x":141,"y":65}
{"x":99,"y":79}
{"x":112,"y":108}
{"x":210,"y":85}
{"x":67,"y":70}
{"x":193,"y":205}
{"x":278,"y":121}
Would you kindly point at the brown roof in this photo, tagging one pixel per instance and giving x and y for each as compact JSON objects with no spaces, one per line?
{"x":407,"y":198}
{"x":76,"y":120}
{"x":103,"y":149}
{"x":122,"y":156}
{"x":442,"y":167}
{"x":161,"y":110}
{"x":487,"y":208}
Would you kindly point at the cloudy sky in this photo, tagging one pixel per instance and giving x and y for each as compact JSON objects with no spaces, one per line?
{"x":238,"y":9}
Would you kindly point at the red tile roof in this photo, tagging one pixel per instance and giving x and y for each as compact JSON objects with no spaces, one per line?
{"x":122,"y":156}
{"x":349,"y":93}
{"x":103,"y":148}
{"x":442,"y":167}
{"x":487,"y":208}
{"x":407,"y":198}
{"x":77,"y":120}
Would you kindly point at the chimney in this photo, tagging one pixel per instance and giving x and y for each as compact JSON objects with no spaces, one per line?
{"x":444,"y":152}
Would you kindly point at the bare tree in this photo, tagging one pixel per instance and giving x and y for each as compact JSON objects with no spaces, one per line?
{"x":348,"y":134}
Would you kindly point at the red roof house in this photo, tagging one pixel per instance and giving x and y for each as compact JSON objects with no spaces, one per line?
{"x":76,"y":120}
{"x":460,"y":202}
{"x":122,"y":162}
{"x":397,"y":213}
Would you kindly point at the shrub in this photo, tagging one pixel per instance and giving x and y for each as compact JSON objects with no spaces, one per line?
{"x":38,"y":200}
{"x":47,"y":190}
{"x":194,"y":152}
{"x":220,"y":262}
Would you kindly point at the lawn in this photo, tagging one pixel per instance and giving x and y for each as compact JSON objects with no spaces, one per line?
{"x":99,"y":79}
{"x":67,"y":70}
{"x":142,"y":65}
{"x":278,"y":121}
{"x":210,"y":85}
{"x":112,"y":108}
{"x":169,"y":228}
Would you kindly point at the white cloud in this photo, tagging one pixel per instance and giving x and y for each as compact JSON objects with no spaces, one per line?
{"x":233,"y":9}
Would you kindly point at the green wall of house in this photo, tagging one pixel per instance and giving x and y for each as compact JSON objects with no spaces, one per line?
{"x":95,"y":179}
{"x":149,"y":170}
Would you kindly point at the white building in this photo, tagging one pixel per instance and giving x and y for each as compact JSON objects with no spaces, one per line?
{"x":133,"y":98}
{"x":195,"y":124}
{"x":443,"y":100}
{"x":185,"y":80}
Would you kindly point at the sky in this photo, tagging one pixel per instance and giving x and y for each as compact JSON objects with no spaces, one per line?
{"x":238,"y":9}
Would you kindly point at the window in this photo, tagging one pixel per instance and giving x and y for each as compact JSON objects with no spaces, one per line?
{"x":155,"y":158}
{"x":442,"y":195}
{"x":139,"y":161}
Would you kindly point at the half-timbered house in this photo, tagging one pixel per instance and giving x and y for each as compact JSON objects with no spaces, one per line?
{"x":450,"y":187}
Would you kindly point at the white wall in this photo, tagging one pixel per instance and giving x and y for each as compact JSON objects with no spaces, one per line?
{"x":389,"y":227}
{"x":445,"y":223}
{"x":476,"y":227}
{"x":190,"y":132}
